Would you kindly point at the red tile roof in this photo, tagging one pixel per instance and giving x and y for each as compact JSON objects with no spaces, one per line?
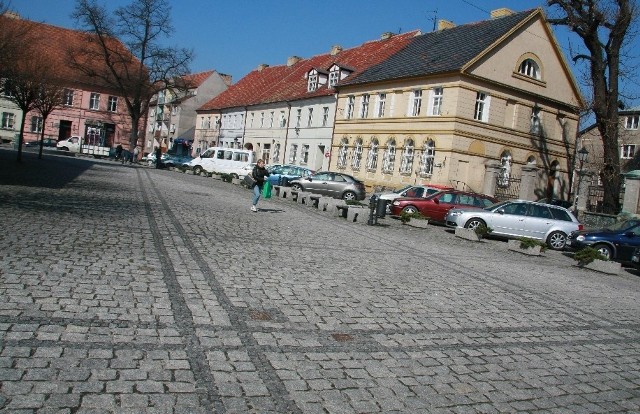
{"x":288,"y":83}
{"x":53,"y":45}
{"x":194,"y":80}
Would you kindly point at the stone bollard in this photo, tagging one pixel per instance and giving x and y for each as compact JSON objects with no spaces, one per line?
{"x":285,"y":192}
{"x":323,"y":204}
{"x":357,"y":214}
{"x":302,"y":197}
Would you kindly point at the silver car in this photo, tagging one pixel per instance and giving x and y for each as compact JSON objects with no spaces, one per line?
{"x":520,"y":218}
{"x":332,"y":184}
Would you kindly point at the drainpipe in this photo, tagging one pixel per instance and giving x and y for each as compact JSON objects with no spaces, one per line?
{"x":286,"y":133}
{"x":333,"y":130}
{"x":244,"y":127}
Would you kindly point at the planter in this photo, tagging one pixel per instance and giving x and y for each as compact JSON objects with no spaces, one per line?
{"x":236,"y":181}
{"x":604,"y":266}
{"x":419,"y":223}
{"x":216,"y":176}
{"x":467,"y":234}
{"x":514,"y":246}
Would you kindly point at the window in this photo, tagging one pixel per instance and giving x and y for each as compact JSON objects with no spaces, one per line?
{"x":631,"y":122}
{"x":406,"y":165}
{"x":351,"y":100}
{"x":364,"y":106}
{"x":529,"y":68}
{"x":7,"y":87}
{"x":325,"y":116}
{"x":36,"y":124}
{"x":382,"y":101}
{"x":426,"y":161}
{"x":173,"y":128}
{"x":174,"y":110}
{"x":481,"y":112}
{"x":94,"y":101}
{"x":310,"y":118}
{"x":253,"y":115}
{"x":627,"y":151}
{"x":372,"y":156}
{"x":342,"y":153}
{"x":67,"y":98}
{"x":271,"y":116}
{"x":283,"y":120}
{"x":416,"y":103}
{"x":312,"y":84}
{"x":389,"y":159}
{"x":436,"y":101}
{"x":357,"y":155}
{"x":293,"y":153}
{"x":261,"y":119}
{"x":304,"y":155}
{"x":276,"y":153}
{"x":112,"y":105}
{"x":334,"y":76}
{"x":8,"y":120}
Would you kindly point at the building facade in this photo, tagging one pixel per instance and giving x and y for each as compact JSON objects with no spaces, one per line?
{"x":429,"y":115}
{"x":172,"y":112}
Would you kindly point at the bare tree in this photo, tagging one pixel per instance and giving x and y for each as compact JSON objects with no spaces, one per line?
{"x":140,"y":68}
{"x":50,"y":97}
{"x":603,"y":26}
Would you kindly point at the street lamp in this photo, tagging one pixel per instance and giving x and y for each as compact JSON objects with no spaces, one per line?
{"x":582,"y":157}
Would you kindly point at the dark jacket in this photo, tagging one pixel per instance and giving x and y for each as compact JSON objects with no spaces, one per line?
{"x":259,"y":174}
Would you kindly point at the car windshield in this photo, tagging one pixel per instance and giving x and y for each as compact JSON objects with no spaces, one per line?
{"x":406,"y":187}
{"x":497,"y":206}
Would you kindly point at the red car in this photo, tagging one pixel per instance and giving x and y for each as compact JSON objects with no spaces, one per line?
{"x":437,"y":205}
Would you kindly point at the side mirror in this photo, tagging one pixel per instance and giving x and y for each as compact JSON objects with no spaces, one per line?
{"x":436,"y":200}
{"x":501,"y":211}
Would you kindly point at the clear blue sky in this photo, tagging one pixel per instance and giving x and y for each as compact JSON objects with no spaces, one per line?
{"x":235,"y":36}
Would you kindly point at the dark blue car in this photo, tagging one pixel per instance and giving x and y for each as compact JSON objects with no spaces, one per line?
{"x":616,"y":242}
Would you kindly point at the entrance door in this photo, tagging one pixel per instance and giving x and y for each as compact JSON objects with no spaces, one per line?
{"x":318,"y":160}
{"x":64,"y":131}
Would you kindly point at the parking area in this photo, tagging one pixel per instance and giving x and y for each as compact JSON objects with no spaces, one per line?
{"x":131,"y":289}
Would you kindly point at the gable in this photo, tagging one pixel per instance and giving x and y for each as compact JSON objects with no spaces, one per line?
{"x":532,"y":41}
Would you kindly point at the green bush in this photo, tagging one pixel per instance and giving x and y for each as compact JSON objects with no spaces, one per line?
{"x":587,"y":255}
{"x":226,"y":177}
{"x":482,"y":230}
{"x":406,"y":217}
{"x":527,"y":243}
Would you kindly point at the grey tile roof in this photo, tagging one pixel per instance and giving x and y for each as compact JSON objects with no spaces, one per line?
{"x":442,"y":51}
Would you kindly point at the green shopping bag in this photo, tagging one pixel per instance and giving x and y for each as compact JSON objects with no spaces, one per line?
{"x":266,"y":190}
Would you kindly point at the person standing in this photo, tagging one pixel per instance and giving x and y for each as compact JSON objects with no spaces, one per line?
{"x":259,"y":174}
{"x":136,"y":152}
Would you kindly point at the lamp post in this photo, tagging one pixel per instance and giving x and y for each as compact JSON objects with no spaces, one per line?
{"x":582,"y":157}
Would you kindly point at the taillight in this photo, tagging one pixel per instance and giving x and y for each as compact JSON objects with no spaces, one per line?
{"x":580,"y":227}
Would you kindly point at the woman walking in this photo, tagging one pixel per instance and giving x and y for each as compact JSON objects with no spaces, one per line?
{"x":259,"y":174}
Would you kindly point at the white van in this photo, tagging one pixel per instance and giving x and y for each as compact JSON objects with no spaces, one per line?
{"x":221,"y":160}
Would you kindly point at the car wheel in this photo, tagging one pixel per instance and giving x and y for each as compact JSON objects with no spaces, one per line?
{"x":349,"y":195}
{"x":410,"y":210}
{"x":64,"y":149}
{"x":296,"y":187}
{"x":474,"y":223}
{"x":604,"y":250}
{"x":557,"y":240}
{"x":197,"y":170}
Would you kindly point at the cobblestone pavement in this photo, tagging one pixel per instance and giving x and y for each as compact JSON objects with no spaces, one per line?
{"x":129,"y":289}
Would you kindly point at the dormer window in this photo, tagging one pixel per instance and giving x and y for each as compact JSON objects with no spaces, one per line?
{"x":530,"y":68}
{"x":334,"y":76}
{"x":312,"y":83}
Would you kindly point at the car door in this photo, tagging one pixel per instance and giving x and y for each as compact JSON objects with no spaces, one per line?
{"x":319,"y":184}
{"x":538,"y":221}
{"x":439,"y":205}
{"x":627,"y":241}
{"x":509,"y":219}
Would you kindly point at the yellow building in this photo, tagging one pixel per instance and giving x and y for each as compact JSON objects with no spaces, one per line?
{"x":459,"y":99}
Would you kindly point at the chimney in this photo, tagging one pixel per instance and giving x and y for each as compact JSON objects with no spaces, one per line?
{"x":501,"y":12}
{"x":445,"y":24}
{"x":386,"y":35}
{"x":262,"y":66}
{"x":292,"y":60}
{"x":11,"y":14}
{"x":335,"y":49}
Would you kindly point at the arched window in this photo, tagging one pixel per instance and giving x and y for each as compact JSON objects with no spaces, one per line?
{"x":505,"y":169}
{"x":389,"y":159}
{"x":530,"y":68}
{"x":426,"y":161}
{"x":406,"y":166}
{"x":357,"y":155}
{"x":342,"y":154}
{"x":372,"y":157}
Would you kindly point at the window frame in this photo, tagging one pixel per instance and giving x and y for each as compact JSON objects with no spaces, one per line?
{"x":94,"y":101}
{"x":8,"y":120}
{"x":627,"y":151}
{"x":364,"y":106}
{"x":381,"y":104}
{"x":112,"y":104}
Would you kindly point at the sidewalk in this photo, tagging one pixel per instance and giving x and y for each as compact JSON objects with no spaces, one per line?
{"x":131,"y":289}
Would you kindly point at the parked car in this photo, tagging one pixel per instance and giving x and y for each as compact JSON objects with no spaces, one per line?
{"x":557,"y":202}
{"x":635,"y":258}
{"x":520,"y":218}
{"x":47,"y":142}
{"x":414,"y":191}
{"x":284,"y":174}
{"x":332,"y":184}
{"x":438,"y":204}
{"x":171,"y":160}
{"x":616,"y":242}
